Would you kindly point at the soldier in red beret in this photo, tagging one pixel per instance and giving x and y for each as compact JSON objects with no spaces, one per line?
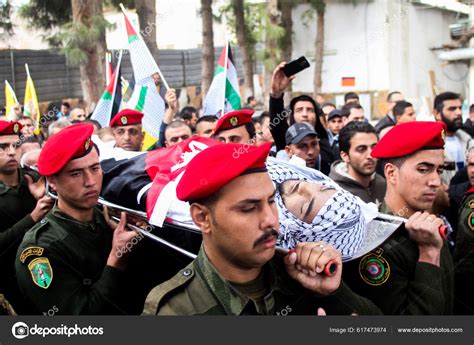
{"x":22,"y":204}
{"x":412,"y":271}
{"x":236,"y":127}
{"x":236,"y":271}
{"x":127,"y":127}
{"x":72,"y":260}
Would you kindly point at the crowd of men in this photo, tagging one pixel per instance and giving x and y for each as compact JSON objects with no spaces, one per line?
{"x":60,"y":252}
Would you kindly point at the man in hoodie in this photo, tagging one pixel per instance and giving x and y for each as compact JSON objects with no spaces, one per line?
{"x":356,"y":172}
{"x":301,"y":109}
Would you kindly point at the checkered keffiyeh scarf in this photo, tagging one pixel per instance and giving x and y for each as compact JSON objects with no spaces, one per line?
{"x":340,"y":222}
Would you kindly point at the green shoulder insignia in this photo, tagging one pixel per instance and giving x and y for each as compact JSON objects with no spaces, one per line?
{"x":470,"y":221}
{"x":41,"y":272}
{"x":374,"y":269}
{"x":36,"y":251}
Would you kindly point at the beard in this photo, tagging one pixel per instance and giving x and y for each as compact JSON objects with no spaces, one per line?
{"x":8,"y":171}
{"x":452,"y":126}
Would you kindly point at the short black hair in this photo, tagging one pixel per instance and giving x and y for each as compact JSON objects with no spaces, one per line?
{"x":250,"y":127}
{"x":66,"y":104}
{"x":350,"y":95}
{"x":397,"y":161}
{"x":327,"y":104}
{"x":445,"y":96}
{"x":262,"y":117}
{"x":250,"y":99}
{"x":389,"y":97}
{"x":207,"y":118}
{"x":320,"y":129}
{"x":93,"y":122}
{"x":351,"y":129}
{"x":187,"y":113}
{"x":400,"y":107}
{"x":471,"y":108}
{"x":346,"y":109}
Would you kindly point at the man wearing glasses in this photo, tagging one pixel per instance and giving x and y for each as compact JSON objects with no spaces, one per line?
{"x":448,"y":109}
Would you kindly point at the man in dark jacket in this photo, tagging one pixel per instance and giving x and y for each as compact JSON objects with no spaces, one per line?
{"x":389,"y":119}
{"x":356,"y":172}
{"x":302,"y":109}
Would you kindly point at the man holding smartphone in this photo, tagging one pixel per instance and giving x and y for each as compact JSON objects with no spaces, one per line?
{"x":302,"y":109}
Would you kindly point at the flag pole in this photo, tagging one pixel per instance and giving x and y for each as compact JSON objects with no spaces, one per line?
{"x":226,"y":62}
{"x":162,"y":78}
{"x":108,"y":63}
{"x":117,"y":68}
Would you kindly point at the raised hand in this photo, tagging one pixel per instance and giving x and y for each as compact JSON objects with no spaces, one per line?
{"x":279,"y":81}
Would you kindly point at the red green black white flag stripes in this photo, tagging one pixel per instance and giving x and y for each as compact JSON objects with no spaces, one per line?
{"x":145,"y":96}
{"x":223,"y":95}
{"x":109,"y":103}
{"x":143,"y":63}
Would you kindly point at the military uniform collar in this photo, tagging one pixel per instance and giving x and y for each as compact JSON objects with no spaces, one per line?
{"x":21,"y":180}
{"x":232,"y":300}
{"x":98,"y":221}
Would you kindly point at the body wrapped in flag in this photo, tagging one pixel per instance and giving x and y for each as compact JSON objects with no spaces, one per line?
{"x":148,"y":183}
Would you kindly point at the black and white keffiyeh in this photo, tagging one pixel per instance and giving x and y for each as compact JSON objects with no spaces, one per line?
{"x":340,"y":222}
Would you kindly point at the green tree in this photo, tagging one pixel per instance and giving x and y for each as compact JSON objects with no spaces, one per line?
{"x":5,"y":16}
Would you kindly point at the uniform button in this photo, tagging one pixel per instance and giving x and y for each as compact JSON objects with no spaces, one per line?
{"x":187,"y":272}
{"x":43,"y":221}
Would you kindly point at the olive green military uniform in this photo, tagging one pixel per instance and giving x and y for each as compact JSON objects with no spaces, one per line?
{"x":61,"y":263}
{"x":16,"y":204}
{"x":464,"y":258}
{"x":395,"y":281}
{"x":199,"y":289}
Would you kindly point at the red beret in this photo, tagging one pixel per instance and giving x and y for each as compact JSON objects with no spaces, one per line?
{"x":127,"y":117}
{"x":70,"y":143}
{"x":10,"y":128}
{"x":218,"y":165}
{"x":233,"y":119}
{"x":409,"y":137}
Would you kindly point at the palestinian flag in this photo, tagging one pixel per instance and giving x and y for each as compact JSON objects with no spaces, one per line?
{"x":145,"y":98}
{"x":109,"y":103}
{"x":143,"y":63}
{"x":223,"y":95}
{"x":148,"y":181}
{"x":11,"y":101}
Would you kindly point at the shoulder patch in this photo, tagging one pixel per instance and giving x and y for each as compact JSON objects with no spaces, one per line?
{"x":374,"y":269}
{"x":470,"y":221}
{"x":36,"y":251}
{"x":41,"y":272}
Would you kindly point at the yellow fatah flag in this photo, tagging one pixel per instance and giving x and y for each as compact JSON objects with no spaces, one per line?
{"x":31,"y":108}
{"x":11,"y":101}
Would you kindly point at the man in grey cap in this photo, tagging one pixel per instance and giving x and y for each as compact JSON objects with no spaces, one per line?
{"x":334,"y":125}
{"x":302,"y":142}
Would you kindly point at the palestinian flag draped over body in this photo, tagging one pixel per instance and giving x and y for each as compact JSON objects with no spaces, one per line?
{"x":145,"y":97}
{"x":109,"y":103}
{"x":148,"y":181}
{"x":31,"y":107}
{"x":11,"y":101}
{"x":224,"y":89}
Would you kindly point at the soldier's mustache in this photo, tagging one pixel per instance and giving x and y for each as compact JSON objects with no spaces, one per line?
{"x":266,"y":236}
